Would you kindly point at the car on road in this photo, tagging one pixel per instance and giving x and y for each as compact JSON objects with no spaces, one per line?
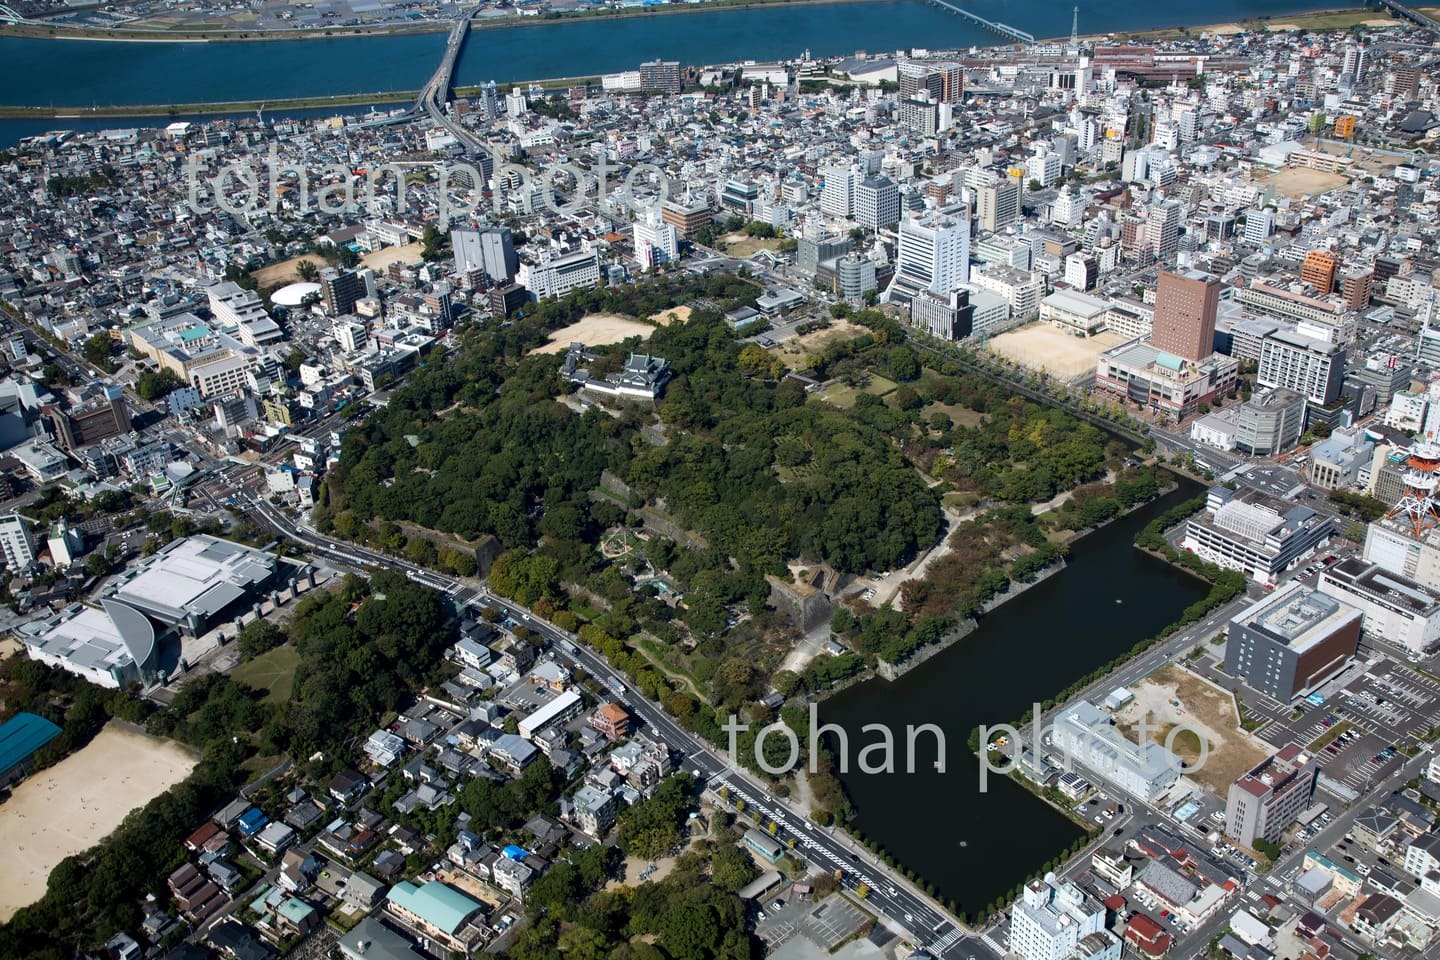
{"x":909,"y":918}
{"x":777,"y":905}
{"x":1099,"y":819}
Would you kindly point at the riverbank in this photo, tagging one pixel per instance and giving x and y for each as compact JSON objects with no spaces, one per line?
{"x":337,"y":101}
{"x":221,"y":34}
{"x":1316,"y":21}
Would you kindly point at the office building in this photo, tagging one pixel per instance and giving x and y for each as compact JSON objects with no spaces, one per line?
{"x":96,"y":413}
{"x":1254,"y":532}
{"x":491,"y":249}
{"x":1309,"y":365}
{"x":1259,"y":226}
{"x":558,"y":276}
{"x":1185,"y":305}
{"x":998,"y":205}
{"x":932,"y":254}
{"x":1396,"y":608}
{"x":1021,"y":289}
{"x":1269,"y":422}
{"x":687,"y":216}
{"x":855,"y":277}
{"x":1320,"y":269}
{"x":1055,"y":921}
{"x":340,"y":291}
{"x":1085,"y":734}
{"x":1081,"y":271}
{"x":948,"y":316}
{"x":877,"y":203}
{"x":661,"y":76}
{"x":1266,"y":800}
{"x":17,"y":542}
{"x":812,"y":251}
{"x":1290,"y":642}
{"x":920,"y":115}
{"x":837,"y":194}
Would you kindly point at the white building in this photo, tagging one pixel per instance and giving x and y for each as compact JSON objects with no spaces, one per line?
{"x":1054,"y":921}
{"x":837,"y":196}
{"x":17,"y":542}
{"x":1396,"y":608}
{"x":1084,"y":734}
{"x":932,"y":253}
{"x":656,"y":241}
{"x":1021,"y":289}
{"x":1074,"y":312}
{"x":110,"y":646}
{"x":1312,"y":367}
{"x":1256,"y":533}
{"x":557,"y":277}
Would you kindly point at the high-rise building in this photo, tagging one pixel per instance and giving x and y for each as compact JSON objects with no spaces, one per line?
{"x":1312,"y":367}
{"x":1259,"y":226}
{"x":17,"y":542}
{"x":1355,"y":287}
{"x":1162,"y":229}
{"x":998,"y":205}
{"x":943,"y":80}
{"x":1185,"y":305}
{"x":947,"y":316}
{"x":1266,"y":800}
{"x":1290,"y":642}
{"x":1319,"y":270}
{"x":877,"y":203}
{"x":96,"y":413}
{"x":931,"y":254}
{"x":340,"y":291}
{"x":662,"y":76}
{"x":491,"y":249}
{"x":837,"y":196}
{"x":656,"y":241}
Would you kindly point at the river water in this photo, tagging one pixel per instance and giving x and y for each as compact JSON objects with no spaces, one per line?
{"x":975,"y":846}
{"x":79,"y":73}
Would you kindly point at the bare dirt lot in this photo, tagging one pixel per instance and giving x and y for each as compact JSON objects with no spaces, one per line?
{"x":382,"y":258}
{"x":1040,"y":346}
{"x":1299,"y":182}
{"x":1206,"y":708}
{"x":594,"y":330}
{"x":75,"y":804}
{"x":798,"y":348}
{"x":673,"y":315}
{"x":279,"y":274}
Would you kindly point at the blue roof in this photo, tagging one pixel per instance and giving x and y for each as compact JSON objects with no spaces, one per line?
{"x":515,"y":853}
{"x":444,"y":908}
{"x":21,"y":736}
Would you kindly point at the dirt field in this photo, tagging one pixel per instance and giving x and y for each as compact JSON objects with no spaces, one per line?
{"x":78,"y":802}
{"x":664,"y":317}
{"x":381,"y":259}
{"x":278,"y":274}
{"x":594,"y":330}
{"x":1203,"y":706}
{"x":1040,"y":346}
{"x":739,"y":245}
{"x":797,"y":348}
{"x":1299,"y":182}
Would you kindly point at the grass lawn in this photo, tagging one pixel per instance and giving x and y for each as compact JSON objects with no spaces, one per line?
{"x":739,"y":245}
{"x":1329,"y":736}
{"x":272,"y":671}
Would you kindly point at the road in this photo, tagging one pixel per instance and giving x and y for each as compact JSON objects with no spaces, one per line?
{"x":827,"y":849}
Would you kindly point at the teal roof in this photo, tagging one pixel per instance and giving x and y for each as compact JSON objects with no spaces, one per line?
{"x":22,"y":735}
{"x":194,"y":333}
{"x":1169,"y":361}
{"x":296,"y":911}
{"x":444,"y":908}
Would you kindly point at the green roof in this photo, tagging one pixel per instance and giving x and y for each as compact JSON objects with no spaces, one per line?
{"x":444,"y":908}
{"x":296,"y":911}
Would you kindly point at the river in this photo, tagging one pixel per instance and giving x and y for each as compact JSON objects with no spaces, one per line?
{"x":82,"y":73}
{"x":974,"y":846}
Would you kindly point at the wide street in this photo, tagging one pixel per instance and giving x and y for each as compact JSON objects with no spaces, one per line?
{"x":888,"y":894}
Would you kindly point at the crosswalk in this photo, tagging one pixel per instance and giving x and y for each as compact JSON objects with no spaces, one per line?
{"x":946,"y":942}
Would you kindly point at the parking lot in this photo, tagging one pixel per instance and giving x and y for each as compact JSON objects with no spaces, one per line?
{"x":826,"y":923}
